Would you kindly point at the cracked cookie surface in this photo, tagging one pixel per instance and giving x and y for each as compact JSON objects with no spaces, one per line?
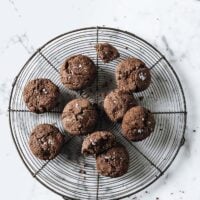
{"x":98,"y":142}
{"x":78,"y":72}
{"x":138,"y":123}
{"x":116,"y":103}
{"x":132,"y":75}
{"x":79,"y":117}
{"x":114,"y":162}
{"x":45,"y":141}
{"x":41,"y":95}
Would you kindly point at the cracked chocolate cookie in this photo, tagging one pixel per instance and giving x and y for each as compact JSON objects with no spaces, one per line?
{"x":138,"y":123}
{"x":46,"y":141}
{"x":132,"y":75}
{"x":41,"y":95}
{"x":116,"y":103}
{"x":106,"y":52}
{"x":98,"y":142}
{"x":79,"y":117}
{"x":78,"y":72}
{"x":114,"y":162}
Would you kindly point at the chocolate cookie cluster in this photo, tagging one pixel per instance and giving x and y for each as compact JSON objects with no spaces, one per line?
{"x":80,"y":116}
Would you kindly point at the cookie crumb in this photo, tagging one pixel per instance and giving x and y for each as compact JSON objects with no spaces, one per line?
{"x":81,"y":171}
{"x":105,"y":84}
{"x":90,"y":90}
{"x":140,"y":98}
{"x":103,"y":94}
{"x":106,"y":52}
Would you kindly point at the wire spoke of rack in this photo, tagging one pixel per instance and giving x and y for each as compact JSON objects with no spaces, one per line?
{"x":13,"y":110}
{"x":170,"y":112}
{"x":146,"y":158}
{"x":49,"y":62}
{"x":97,"y":100}
{"x":156,"y":62}
{"x":42,"y":167}
{"x":70,"y":174}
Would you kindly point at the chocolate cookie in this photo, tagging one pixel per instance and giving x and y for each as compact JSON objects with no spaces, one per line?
{"x":41,"y":95}
{"x":46,"y":141}
{"x":116,"y":103}
{"x":78,"y":72}
{"x":106,"y":52}
{"x":132,"y":75}
{"x":114,"y":162}
{"x":98,"y":142}
{"x":138,"y":123}
{"x":79,"y":117}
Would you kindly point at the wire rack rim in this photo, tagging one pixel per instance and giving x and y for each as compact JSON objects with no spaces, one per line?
{"x":97,"y":28}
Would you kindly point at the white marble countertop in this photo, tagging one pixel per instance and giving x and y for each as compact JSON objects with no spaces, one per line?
{"x":172,"y":26}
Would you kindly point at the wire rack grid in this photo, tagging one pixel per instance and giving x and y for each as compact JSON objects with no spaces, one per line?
{"x":70,"y":174}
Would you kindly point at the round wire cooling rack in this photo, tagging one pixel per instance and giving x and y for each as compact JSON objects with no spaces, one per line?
{"x":71,"y":175}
